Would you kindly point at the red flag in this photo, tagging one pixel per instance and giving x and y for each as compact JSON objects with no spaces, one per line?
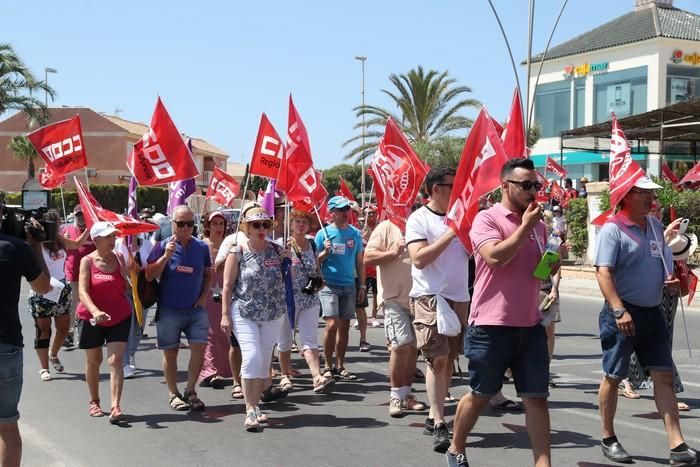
{"x":513,"y":135}
{"x":604,"y":217}
{"x":624,"y":171}
{"x":668,"y":175}
{"x":478,"y":173}
{"x":223,"y":188}
{"x":297,"y":177}
{"x":693,"y":175}
{"x":345,"y":190}
{"x":49,"y":180}
{"x":555,"y":168}
{"x":398,"y":173}
{"x":692,"y":285}
{"x":558,"y":193}
{"x":268,"y":152}
{"x":61,"y":146}
{"x":308,"y":205}
{"x":93,"y":212}
{"x":161,"y":156}
{"x":497,"y":125}
{"x":542,"y":195}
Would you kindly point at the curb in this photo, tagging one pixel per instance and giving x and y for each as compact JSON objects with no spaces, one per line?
{"x":594,"y":292}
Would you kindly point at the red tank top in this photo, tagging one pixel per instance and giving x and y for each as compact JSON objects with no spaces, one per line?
{"x":108,"y":293}
{"x":72,"y":266}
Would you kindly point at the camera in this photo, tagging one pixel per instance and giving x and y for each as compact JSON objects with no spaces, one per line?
{"x":313,"y":284}
{"x":216,"y":297}
{"x":14,"y":221}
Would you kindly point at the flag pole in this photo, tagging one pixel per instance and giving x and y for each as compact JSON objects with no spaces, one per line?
{"x":63,"y":201}
{"x":245,"y":190}
{"x":320,"y":222}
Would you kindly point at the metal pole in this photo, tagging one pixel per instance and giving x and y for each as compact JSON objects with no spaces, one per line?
{"x":63,"y":202}
{"x":530,"y":22}
{"x":47,"y":70}
{"x":362,"y":60}
{"x":245,"y":190}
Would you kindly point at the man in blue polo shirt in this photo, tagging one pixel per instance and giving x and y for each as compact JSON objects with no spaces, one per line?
{"x":184,"y":266}
{"x":633,"y":264}
{"x":340,"y":253}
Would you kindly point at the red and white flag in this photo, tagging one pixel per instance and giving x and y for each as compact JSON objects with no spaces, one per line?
{"x":49,"y":180}
{"x":558,"y":193}
{"x":604,"y":217}
{"x":624,"y":171}
{"x":554,"y":168}
{"x":344,"y":190}
{"x":161,"y":155}
{"x":693,"y":175}
{"x":542,"y":195}
{"x":398,"y":174}
{"x":268,"y":152}
{"x":668,"y":175}
{"x":478,"y":173}
{"x":94,"y":212}
{"x":223,"y":188}
{"x":61,"y":145}
{"x":513,"y":135}
{"x":297,"y":176}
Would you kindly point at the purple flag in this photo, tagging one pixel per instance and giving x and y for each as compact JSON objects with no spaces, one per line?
{"x":178,"y":192}
{"x":268,"y":202}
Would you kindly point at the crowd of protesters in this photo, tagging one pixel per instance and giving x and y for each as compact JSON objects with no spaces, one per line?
{"x":265,"y":286}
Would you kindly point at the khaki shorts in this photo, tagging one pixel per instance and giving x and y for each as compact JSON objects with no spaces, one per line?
{"x":429,"y":342}
{"x":398,"y":328}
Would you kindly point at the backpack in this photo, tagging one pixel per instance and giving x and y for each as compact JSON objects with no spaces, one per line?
{"x":147,"y":291}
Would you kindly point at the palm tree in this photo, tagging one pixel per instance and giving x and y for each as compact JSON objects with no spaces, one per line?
{"x":24,"y":151}
{"x":428,"y":103}
{"x":17,"y":84}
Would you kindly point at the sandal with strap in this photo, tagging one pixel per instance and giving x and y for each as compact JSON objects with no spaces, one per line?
{"x":44,"y":374}
{"x":195,"y":402}
{"x":324,"y":385}
{"x":94,"y":409}
{"x":628,"y":391}
{"x":344,"y":374}
{"x":251,"y":423}
{"x":259,"y":415}
{"x":57,"y":365}
{"x":116,"y":415}
{"x":272,"y":393}
{"x":327,"y":372}
{"x":286,"y":383}
{"x":237,"y":391}
{"x":177,"y":402}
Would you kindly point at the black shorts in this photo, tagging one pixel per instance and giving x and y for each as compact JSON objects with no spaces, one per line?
{"x":92,"y":337}
{"x":234,"y":341}
{"x":371,"y":284}
{"x":358,"y":303}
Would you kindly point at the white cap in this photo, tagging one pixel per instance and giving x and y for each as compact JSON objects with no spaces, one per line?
{"x":102,"y":229}
{"x":556,"y":208}
{"x":646,"y":183}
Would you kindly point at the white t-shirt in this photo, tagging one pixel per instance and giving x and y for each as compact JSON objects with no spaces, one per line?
{"x":55,"y":262}
{"x":448,"y":275}
{"x":237,"y":238}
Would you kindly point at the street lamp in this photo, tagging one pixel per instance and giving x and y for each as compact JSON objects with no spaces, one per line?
{"x":362,"y":180}
{"x":47,"y":70}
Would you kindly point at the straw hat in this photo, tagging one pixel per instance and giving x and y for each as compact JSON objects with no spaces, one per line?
{"x":683,"y":246}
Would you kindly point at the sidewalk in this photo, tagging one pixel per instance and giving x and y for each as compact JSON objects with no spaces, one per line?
{"x":581,"y":281}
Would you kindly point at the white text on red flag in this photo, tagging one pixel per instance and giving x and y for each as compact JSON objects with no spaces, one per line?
{"x":61,"y":145}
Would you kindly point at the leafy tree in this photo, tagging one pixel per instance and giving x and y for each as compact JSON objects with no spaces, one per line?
{"x":576,"y":215}
{"x":352,"y":174}
{"x":19,"y":87}
{"x":428,"y":106}
{"x":23,"y":150}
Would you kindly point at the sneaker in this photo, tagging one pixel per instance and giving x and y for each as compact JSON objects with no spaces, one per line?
{"x":128,"y":372}
{"x":411,"y":403}
{"x":429,"y":427}
{"x":441,"y":438}
{"x":395,"y":409}
{"x":456,"y":460}
{"x":686,"y":457}
{"x":365,"y":347}
{"x":375,"y":323}
{"x":356,"y":324}
{"x":616,"y":453}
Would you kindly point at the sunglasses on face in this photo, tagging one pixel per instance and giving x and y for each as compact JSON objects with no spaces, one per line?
{"x":527,"y":185}
{"x":182,"y":224}
{"x":261,"y":225}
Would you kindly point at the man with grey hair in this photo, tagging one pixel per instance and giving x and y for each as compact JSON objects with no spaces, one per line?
{"x":184,"y":266}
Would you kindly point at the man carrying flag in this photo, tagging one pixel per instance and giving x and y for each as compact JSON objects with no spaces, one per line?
{"x":633,"y":265}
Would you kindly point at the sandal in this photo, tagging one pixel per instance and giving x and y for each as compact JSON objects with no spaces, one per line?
{"x":251,"y":422}
{"x":272,"y":393}
{"x":44,"y":374}
{"x":683,"y":407}
{"x":628,"y":392}
{"x":116,"y":416}
{"x":178,"y":403}
{"x":508,"y":405}
{"x":286,"y":383}
{"x":324,"y":385}
{"x":217,"y":382}
{"x":195,"y":402}
{"x":57,"y":365}
{"x":237,"y":391}
{"x":94,"y":409}
{"x":327,"y":372}
{"x":260,"y":416}
{"x":365,"y":347}
{"x":419,"y":375}
{"x":344,"y":374}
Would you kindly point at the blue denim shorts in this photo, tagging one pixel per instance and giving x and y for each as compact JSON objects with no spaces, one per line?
{"x":651,"y":341}
{"x":10,"y":381}
{"x":337,"y":301}
{"x":493,"y":349}
{"x":172,"y":322}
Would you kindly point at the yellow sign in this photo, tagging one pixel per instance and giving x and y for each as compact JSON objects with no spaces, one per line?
{"x":679,"y":57}
{"x":584,"y":70}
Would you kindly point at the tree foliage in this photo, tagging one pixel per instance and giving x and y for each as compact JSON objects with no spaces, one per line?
{"x":19,"y":89}
{"x":23,"y":150}
{"x":576,"y":215}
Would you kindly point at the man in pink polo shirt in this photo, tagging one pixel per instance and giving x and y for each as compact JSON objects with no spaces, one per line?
{"x":504,"y":324}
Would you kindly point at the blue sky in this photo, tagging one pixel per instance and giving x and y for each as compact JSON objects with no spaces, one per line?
{"x":218,"y":65}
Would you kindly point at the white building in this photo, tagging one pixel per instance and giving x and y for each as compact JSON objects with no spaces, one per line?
{"x":644,"y":60}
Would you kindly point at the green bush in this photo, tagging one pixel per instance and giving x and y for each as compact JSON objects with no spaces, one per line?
{"x":576,"y":216}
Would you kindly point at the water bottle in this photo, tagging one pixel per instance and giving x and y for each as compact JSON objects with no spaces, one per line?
{"x":554,"y":242}
{"x":549,"y":258}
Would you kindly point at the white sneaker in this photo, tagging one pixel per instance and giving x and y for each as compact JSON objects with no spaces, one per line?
{"x":128,"y":372}
{"x":356,"y":324}
{"x":132,"y":362}
{"x":376,"y":323}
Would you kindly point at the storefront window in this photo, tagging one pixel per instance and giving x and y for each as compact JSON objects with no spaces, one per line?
{"x":579,"y":102}
{"x":623,"y":92}
{"x":553,"y":107}
{"x":682,"y":83}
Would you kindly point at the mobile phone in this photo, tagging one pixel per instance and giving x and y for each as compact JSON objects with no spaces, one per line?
{"x":684,"y":226}
{"x":544,"y":268}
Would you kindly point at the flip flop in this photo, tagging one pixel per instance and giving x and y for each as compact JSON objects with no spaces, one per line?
{"x":508,"y":405}
{"x":683,"y":407}
{"x":629,"y":393}
{"x":237,"y":391}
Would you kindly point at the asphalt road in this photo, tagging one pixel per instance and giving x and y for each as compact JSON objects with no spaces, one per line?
{"x":352,"y":427}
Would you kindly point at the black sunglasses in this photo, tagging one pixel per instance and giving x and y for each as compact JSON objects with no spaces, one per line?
{"x":261,"y":225}
{"x":527,"y":185}
{"x":182,"y":224}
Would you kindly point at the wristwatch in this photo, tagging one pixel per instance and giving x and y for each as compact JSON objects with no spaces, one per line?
{"x":618,"y":312}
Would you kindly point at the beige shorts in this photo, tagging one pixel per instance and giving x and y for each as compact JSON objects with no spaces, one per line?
{"x":429,"y":342}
